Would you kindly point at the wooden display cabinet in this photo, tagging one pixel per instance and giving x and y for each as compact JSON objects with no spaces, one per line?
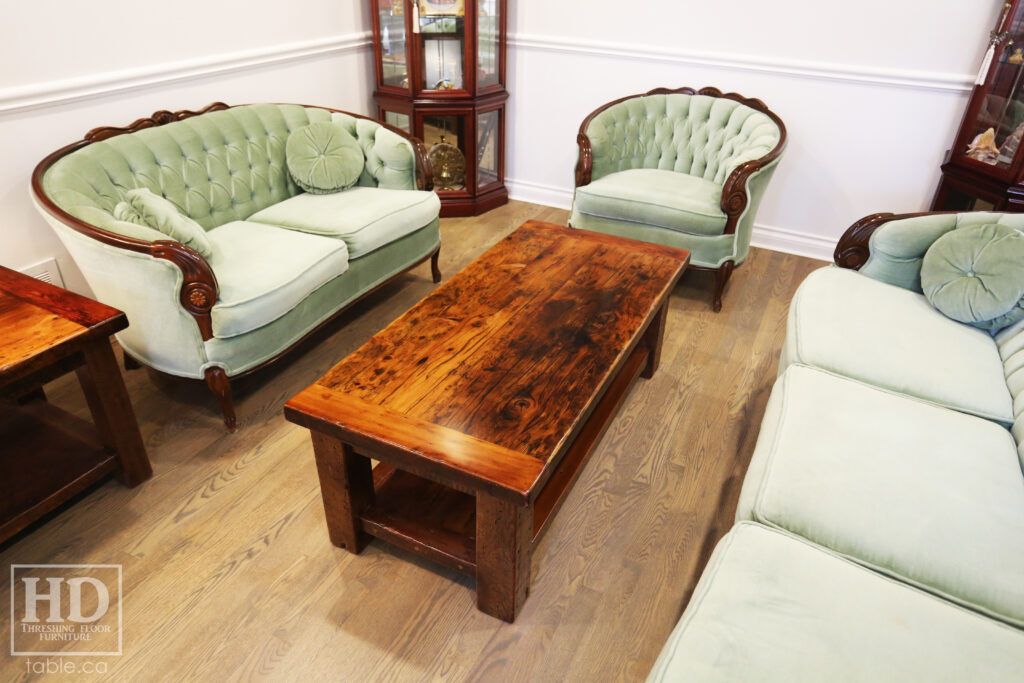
{"x":985,"y":168}
{"x":440,"y":70}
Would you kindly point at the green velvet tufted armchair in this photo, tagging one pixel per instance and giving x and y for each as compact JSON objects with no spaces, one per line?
{"x":683,"y":168}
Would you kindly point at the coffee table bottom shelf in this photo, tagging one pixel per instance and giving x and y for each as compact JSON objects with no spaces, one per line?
{"x":439,"y":523}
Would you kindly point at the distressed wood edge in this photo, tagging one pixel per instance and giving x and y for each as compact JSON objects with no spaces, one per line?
{"x":342,"y":419}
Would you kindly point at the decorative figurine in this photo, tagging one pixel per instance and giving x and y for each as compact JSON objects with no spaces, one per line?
{"x":983,"y":148}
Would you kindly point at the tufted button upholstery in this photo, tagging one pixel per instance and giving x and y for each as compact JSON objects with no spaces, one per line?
{"x":216,"y":168}
{"x":702,"y":136}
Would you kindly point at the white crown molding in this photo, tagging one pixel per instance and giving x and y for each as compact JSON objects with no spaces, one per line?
{"x":764,"y":236}
{"x":923,"y":80}
{"x":49,"y":93}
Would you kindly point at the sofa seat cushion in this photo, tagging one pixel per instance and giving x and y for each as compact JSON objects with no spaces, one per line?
{"x":365,"y":218}
{"x":665,"y":199}
{"x":892,"y":338}
{"x":263,"y":272}
{"x":922,"y":493}
{"x":772,"y":607}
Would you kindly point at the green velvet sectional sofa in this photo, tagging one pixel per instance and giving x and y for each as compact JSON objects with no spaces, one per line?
{"x":880,"y":528}
{"x":276,"y":262}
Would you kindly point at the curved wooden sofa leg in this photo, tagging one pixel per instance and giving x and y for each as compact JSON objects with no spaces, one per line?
{"x":721,"y":277}
{"x":219,"y":384}
{"x":435,"y":270}
{"x":130,"y":363}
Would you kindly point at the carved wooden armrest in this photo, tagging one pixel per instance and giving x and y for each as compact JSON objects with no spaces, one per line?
{"x":424,"y":170}
{"x":585,"y":161}
{"x":199,"y":289}
{"x":854,"y":248}
{"x":734,"y":193}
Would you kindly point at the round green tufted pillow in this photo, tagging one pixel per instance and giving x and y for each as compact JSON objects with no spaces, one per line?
{"x":323,"y":158}
{"x":976,"y":275}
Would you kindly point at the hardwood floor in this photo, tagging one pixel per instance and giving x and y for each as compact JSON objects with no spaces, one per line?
{"x":229,"y":574}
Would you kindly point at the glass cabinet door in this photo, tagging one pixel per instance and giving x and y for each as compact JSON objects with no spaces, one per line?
{"x":394,"y":64}
{"x":994,"y":135}
{"x":488,"y":43}
{"x":442,"y":28}
{"x":487,"y":132}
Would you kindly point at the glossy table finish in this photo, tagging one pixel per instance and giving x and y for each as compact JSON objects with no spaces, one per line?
{"x":483,"y":402}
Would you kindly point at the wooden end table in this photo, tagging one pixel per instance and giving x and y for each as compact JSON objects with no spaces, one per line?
{"x":482,"y":403}
{"x":49,"y":455}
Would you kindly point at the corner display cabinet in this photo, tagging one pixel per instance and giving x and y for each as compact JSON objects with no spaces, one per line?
{"x":440,"y":68}
{"x":985,"y":168}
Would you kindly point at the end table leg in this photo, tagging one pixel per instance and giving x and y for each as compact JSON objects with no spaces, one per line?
{"x":504,"y":548}
{"x":346,"y":486}
{"x":112,"y":412}
{"x":652,"y":340}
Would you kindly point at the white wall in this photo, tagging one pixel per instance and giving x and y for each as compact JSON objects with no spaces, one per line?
{"x":71,"y":66}
{"x":871,"y":92}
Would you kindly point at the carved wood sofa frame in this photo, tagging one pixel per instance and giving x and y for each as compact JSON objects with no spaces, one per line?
{"x":199,"y":288}
{"x":734,"y":192}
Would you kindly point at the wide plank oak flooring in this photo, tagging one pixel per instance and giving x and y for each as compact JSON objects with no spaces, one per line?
{"x":229,"y":575}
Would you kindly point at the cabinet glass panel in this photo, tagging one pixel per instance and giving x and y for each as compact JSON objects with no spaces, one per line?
{"x":401,"y":121}
{"x":443,"y":35}
{"x":444,"y":137}
{"x":999,"y":125}
{"x":488,"y":43}
{"x":394,"y":69}
{"x":487,"y":148}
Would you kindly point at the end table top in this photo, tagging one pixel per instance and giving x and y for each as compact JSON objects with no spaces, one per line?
{"x":40,"y":322}
{"x":489,"y":377}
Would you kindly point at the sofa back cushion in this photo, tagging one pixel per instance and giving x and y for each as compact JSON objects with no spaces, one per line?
{"x":898,"y":247}
{"x":390,"y":162}
{"x":703,"y":136}
{"x":216,"y":168}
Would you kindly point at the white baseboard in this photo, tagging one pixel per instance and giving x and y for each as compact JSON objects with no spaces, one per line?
{"x":536,"y":193}
{"x":793,"y":242}
{"x":765,"y":236}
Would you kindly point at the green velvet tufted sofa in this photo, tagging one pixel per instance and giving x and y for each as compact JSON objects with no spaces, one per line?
{"x":880,"y":526}
{"x":279,"y":262}
{"x":683,"y":168}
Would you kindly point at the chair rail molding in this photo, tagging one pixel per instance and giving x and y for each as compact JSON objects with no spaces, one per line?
{"x":56,"y":92}
{"x":852,"y":73}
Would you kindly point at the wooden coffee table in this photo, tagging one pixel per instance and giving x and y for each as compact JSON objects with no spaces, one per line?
{"x":482,"y":403}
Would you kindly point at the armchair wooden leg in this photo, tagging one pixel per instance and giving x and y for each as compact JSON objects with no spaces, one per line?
{"x":721,"y":277}
{"x":435,"y":270}
{"x":220,"y":386}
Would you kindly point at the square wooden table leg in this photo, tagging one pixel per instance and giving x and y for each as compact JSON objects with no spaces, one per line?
{"x":346,"y":486}
{"x":504,"y":548}
{"x":653,"y":338}
{"x":112,"y":412}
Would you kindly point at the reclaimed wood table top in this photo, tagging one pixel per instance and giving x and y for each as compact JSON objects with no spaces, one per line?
{"x":40,"y":322}
{"x":488,"y":379}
